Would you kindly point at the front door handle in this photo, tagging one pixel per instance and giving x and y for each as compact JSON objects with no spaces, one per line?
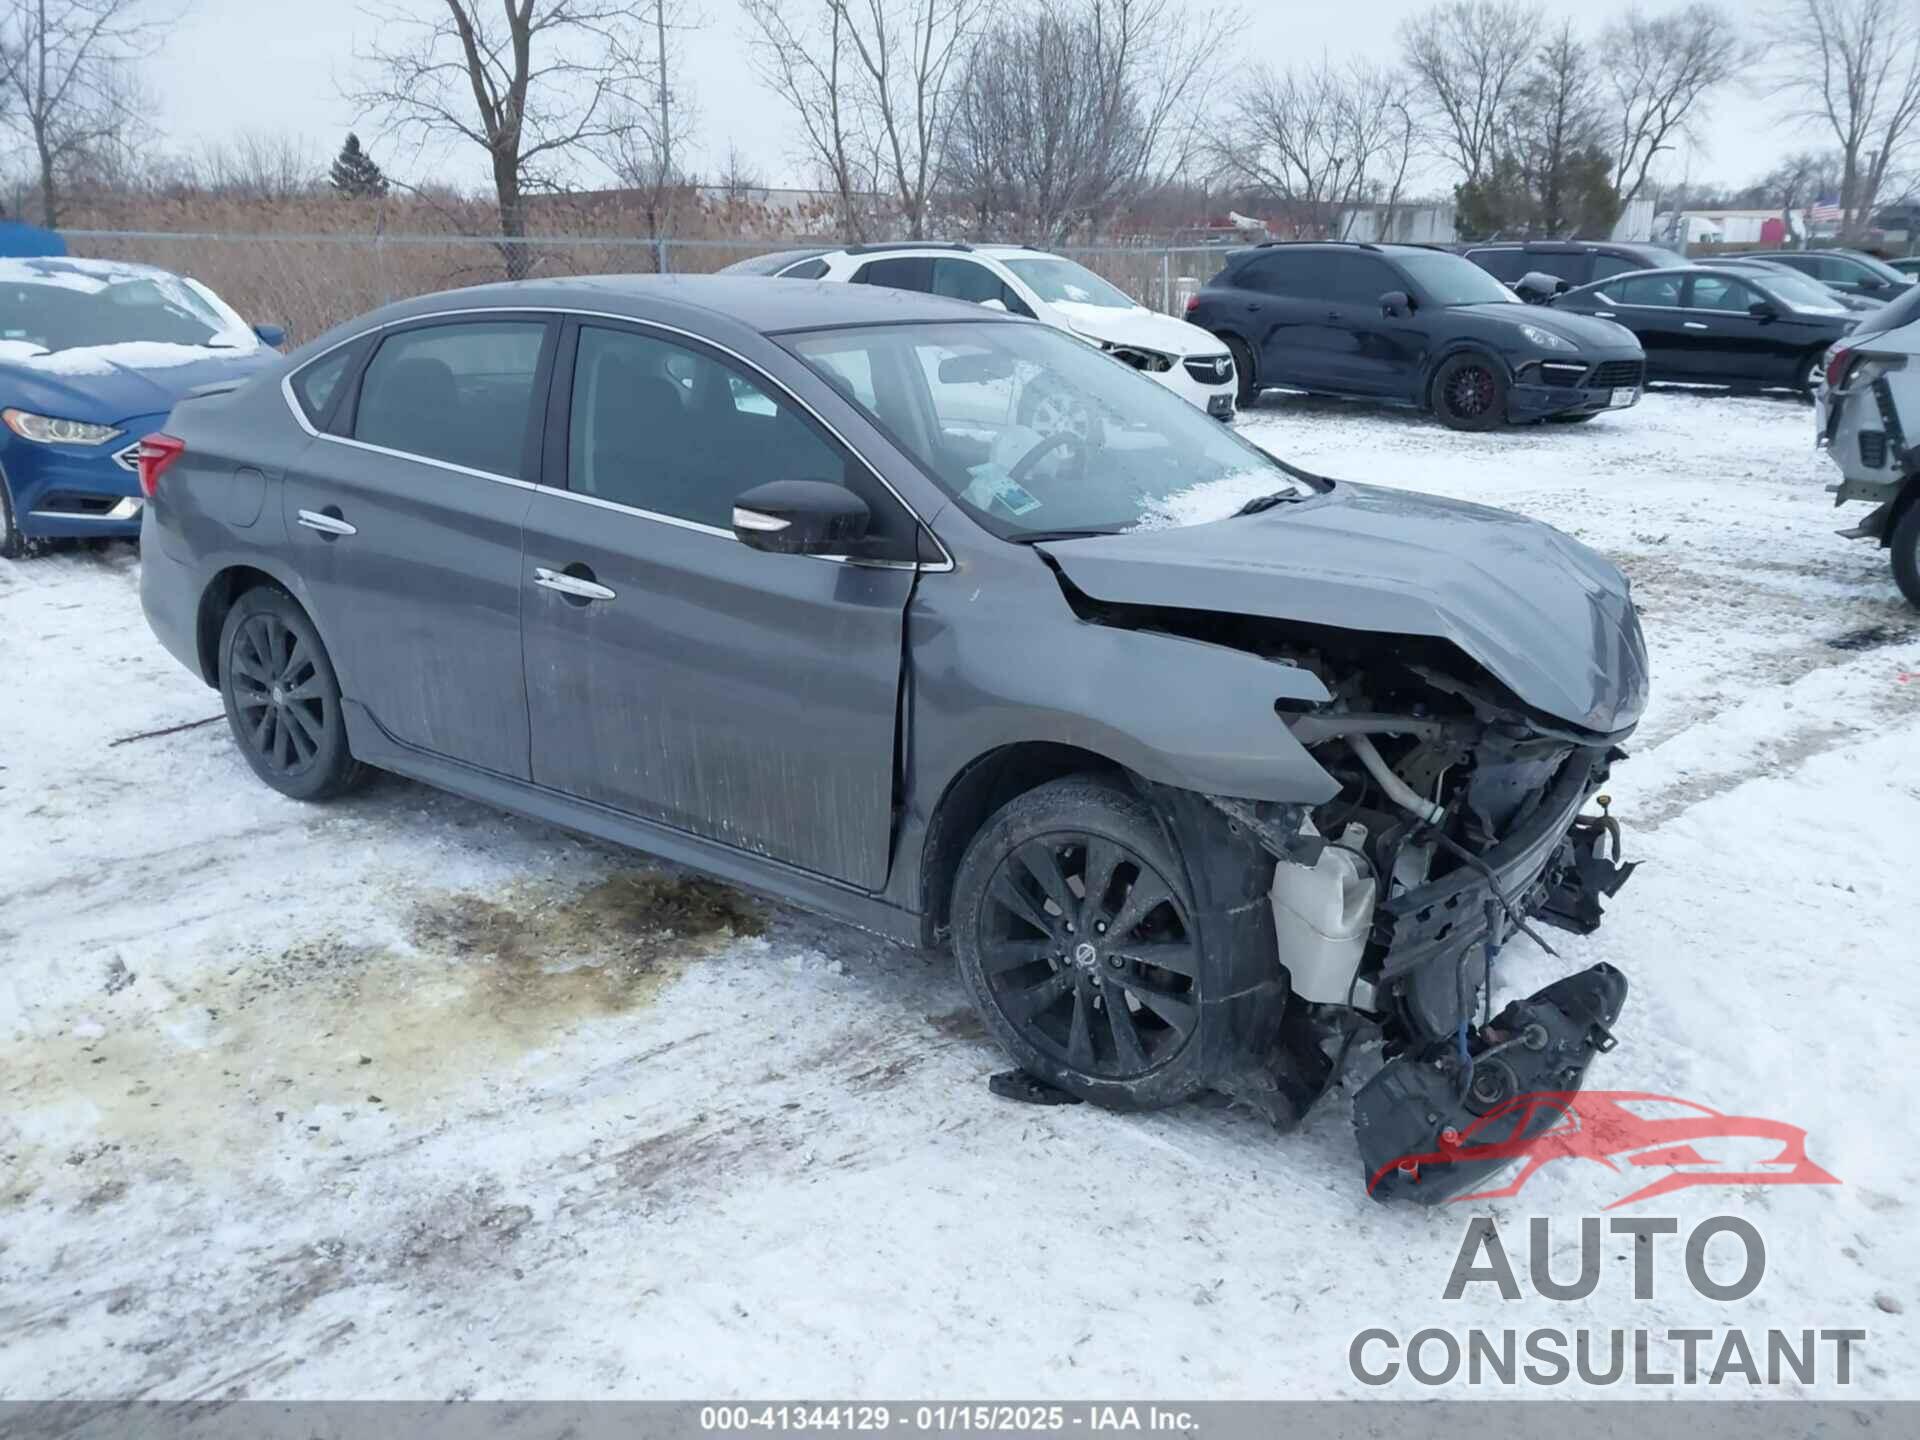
{"x":1604,"y":314}
{"x":1693,"y":325}
{"x":575,"y":587}
{"x":327,"y":522}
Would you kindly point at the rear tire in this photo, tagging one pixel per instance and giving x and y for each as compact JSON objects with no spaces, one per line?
{"x":1470,"y":393}
{"x":1246,"y":386}
{"x":1073,"y":933}
{"x":283,"y":700}
{"x":1905,"y":546}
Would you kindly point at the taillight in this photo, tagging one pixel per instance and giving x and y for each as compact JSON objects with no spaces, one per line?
{"x":1193,"y":302}
{"x":1838,"y":361}
{"x":157,"y":453}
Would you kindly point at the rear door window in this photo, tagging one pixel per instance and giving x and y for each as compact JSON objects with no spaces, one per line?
{"x":1575,"y":269}
{"x":459,"y":393}
{"x":1276,"y":275}
{"x":1507,"y":265}
{"x":1721,"y":293}
{"x":903,"y":272}
{"x":1644,"y":290}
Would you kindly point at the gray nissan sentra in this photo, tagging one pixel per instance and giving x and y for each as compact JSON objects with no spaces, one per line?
{"x":1204,"y":766}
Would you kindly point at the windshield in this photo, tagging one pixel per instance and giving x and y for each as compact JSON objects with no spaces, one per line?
{"x":65,"y":309}
{"x":1058,"y":281}
{"x":1453,"y":280}
{"x":1796,"y":289}
{"x":1038,"y":433}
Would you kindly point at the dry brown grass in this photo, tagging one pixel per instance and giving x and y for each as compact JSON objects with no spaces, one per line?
{"x":313,"y":262}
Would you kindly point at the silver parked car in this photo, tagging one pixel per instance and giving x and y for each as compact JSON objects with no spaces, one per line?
{"x":1866,"y":418}
{"x":1204,"y":766}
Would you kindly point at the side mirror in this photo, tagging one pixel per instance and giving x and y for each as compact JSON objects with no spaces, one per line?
{"x":1537,"y":287}
{"x":274,"y":335}
{"x":1395,"y":302}
{"x":800,"y":517}
{"x":1763,"y":310}
{"x":994,"y":303}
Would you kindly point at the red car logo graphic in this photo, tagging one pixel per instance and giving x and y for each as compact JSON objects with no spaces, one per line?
{"x":1626,"y":1131}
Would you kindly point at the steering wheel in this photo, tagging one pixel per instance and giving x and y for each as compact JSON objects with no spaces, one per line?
{"x":1058,"y":439}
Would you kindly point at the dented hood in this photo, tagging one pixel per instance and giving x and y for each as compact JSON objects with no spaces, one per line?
{"x":1547,"y":616}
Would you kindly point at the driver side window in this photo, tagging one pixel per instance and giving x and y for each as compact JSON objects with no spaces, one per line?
{"x":674,"y":431}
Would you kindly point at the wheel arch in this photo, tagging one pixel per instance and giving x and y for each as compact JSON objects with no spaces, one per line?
{"x":218,"y":596}
{"x":1453,"y":349}
{"x":971,"y":798}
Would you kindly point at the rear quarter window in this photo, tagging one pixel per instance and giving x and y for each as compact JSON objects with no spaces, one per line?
{"x":316,"y":385}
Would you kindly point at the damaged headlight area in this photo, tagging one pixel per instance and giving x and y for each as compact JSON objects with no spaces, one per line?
{"x":1458,"y":824}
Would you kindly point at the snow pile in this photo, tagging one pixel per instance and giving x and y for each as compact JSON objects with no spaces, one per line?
{"x":380,"y":1099}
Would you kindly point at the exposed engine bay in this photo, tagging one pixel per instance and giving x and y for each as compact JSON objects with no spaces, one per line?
{"x":1458,"y":824}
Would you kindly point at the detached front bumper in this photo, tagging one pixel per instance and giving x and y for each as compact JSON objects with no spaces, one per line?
{"x":1437,"y":940}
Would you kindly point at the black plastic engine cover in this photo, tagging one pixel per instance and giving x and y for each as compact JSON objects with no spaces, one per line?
{"x":1402,"y":1116}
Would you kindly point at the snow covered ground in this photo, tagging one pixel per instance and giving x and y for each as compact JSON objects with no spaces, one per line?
{"x":405,"y":1097}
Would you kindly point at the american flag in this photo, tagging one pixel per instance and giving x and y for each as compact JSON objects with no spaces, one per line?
{"x":1824,"y":210}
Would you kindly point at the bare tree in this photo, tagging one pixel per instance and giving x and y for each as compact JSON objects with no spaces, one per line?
{"x":537,"y":84}
{"x":646,"y":152}
{"x":255,"y":166}
{"x":1078,"y":108}
{"x":1853,"y":66}
{"x":870,"y":83}
{"x":1660,"y":71}
{"x":1321,"y":140}
{"x":1468,"y":57}
{"x":70,"y":93}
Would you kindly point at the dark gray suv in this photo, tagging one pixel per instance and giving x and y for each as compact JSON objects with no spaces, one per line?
{"x":1206,"y":767}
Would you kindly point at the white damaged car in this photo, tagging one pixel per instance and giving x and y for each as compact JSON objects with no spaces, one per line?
{"x":1867,"y":419}
{"x":1050,"y":288}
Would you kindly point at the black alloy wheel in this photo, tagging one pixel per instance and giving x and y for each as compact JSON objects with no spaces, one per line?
{"x":1073,"y":933}
{"x":1470,"y":394}
{"x":282,"y":700}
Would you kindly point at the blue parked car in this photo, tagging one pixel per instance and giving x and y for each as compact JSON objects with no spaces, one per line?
{"x":93,"y":354}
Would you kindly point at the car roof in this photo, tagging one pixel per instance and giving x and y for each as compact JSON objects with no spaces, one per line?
{"x":44,"y":269}
{"x":773,"y":260}
{"x":756,"y":302}
{"x":1566,"y":247}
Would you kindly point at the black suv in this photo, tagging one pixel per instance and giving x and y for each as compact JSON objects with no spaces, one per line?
{"x":1577,"y":262}
{"x":1848,"y":271}
{"x":1411,"y":325}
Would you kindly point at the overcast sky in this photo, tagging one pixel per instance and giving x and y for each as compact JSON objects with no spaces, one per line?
{"x":272,"y":66}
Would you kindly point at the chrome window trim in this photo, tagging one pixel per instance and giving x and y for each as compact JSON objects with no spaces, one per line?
{"x":943,"y":566}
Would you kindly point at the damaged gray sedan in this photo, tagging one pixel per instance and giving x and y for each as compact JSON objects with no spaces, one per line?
{"x":1214,"y":774}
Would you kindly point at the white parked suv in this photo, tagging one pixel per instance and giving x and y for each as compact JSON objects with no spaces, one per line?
{"x":1867,"y":419}
{"x":1049,"y":288}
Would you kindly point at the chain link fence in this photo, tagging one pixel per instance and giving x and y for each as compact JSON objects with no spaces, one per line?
{"x":311,"y":282}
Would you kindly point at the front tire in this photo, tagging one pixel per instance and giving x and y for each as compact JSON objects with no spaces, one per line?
{"x":13,"y":545}
{"x":1905,"y":546}
{"x":1470,"y":393}
{"x":1073,"y":933}
{"x":1246,"y":383}
{"x":283,"y":700}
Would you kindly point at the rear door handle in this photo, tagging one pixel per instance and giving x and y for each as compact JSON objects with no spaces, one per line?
{"x":326,"y":524}
{"x":1694,"y":325}
{"x":1604,"y":314}
{"x":573,"y":586}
